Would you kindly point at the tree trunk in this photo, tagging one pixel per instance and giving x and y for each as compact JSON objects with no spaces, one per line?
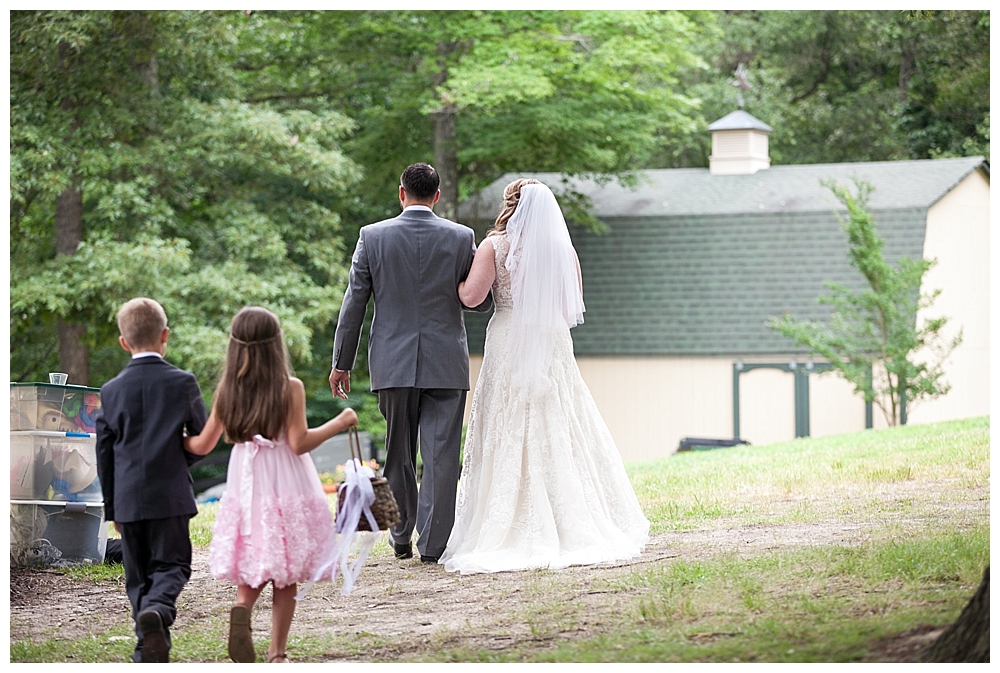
{"x":907,"y":68}
{"x":74,"y":356}
{"x":446,"y":161}
{"x":968,"y":639}
{"x":69,"y":220}
{"x":445,"y":156}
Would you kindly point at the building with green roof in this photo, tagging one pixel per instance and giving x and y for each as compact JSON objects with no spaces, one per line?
{"x":697,"y":260}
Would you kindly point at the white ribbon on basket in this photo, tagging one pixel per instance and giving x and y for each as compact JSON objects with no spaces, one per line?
{"x":358,"y":498}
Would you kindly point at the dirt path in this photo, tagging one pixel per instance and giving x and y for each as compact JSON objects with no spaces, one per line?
{"x":404,"y":609}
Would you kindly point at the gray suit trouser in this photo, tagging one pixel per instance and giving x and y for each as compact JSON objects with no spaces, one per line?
{"x":434,"y":417}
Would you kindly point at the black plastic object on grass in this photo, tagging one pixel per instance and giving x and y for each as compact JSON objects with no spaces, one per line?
{"x":704,"y":444}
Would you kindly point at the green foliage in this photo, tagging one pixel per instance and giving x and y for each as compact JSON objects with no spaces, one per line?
{"x":580,"y":92}
{"x":228,"y":158}
{"x":595,"y":93}
{"x":849,"y":85}
{"x":872,"y":337}
{"x":322,"y":406}
{"x":191,"y":196}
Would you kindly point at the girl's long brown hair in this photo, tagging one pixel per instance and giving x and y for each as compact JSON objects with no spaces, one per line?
{"x":252,"y":397}
{"x":511,"y":197}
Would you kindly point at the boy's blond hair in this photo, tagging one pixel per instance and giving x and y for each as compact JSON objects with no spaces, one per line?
{"x":141,"y":321}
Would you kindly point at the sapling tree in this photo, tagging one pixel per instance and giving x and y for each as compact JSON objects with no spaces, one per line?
{"x":873,"y":337}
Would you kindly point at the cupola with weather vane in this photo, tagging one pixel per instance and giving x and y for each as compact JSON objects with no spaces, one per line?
{"x":739,"y":140}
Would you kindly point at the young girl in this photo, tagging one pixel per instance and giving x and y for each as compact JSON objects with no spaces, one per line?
{"x":273,"y":520}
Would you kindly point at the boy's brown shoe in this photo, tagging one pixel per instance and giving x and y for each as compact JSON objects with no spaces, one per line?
{"x":240,"y":641}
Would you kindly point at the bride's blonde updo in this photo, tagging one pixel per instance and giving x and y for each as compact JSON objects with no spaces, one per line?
{"x":511,"y":197}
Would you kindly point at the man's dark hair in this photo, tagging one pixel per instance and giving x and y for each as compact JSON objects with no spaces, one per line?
{"x":420,"y":181}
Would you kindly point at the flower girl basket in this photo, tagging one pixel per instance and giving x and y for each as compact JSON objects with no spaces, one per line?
{"x":365,"y":505}
{"x":384,"y":510}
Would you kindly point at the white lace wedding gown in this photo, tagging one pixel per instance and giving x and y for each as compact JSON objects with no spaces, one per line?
{"x":542,"y":484}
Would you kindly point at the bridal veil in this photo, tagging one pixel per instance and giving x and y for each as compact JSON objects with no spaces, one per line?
{"x":545,"y":284}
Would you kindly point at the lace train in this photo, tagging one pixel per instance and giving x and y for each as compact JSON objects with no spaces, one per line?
{"x":542,"y":484}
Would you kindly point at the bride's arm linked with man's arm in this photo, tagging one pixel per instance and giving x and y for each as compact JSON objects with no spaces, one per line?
{"x":474,"y":290}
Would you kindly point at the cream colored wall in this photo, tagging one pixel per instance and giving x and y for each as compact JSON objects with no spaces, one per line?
{"x":834,"y":408}
{"x":649,"y":404}
{"x":730,"y":143}
{"x":738,"y":152}
{"x":958,"y":236}
{"x":767,"y":405}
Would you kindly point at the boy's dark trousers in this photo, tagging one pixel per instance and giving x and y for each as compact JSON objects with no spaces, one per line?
{"x":157,"y":559}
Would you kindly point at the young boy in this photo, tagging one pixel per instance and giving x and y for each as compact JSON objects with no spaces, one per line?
{"x":143,"y":469}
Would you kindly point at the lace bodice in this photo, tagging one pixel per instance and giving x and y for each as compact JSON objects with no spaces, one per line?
{"x":502,"y":299}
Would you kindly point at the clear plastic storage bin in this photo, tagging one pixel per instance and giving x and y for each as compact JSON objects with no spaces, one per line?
{"x":46,"y":406}
{"x":57,"y":533}
{"x":54,"y":466}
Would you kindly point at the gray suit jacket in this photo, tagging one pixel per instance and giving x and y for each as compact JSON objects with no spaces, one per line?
{"x":413,"y":264}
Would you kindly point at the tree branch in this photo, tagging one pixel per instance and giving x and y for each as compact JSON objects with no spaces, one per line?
{"x":820,"y":79}
{"x":584,"y":41}
{"x":287,"y":96}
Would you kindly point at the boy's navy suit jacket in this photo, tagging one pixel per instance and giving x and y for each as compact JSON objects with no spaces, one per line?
{"x":141,"y":460}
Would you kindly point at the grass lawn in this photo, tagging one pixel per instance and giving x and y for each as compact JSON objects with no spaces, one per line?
{"x":806,"y":551}
{"x":804,"y":602}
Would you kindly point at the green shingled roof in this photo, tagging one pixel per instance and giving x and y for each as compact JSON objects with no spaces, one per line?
{"x":696,"y":263}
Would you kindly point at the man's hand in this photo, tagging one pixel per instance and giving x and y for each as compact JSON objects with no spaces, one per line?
{"x":118,"y":527}
{"x":340,"y":383}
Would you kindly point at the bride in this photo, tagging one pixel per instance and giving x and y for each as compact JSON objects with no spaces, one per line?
{"x":542,"y":484}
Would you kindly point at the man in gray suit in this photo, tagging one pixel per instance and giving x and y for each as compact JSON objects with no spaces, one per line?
{"x":418,"y":356}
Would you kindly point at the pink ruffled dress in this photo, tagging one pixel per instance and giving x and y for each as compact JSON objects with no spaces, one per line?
{"x":273,"y":521}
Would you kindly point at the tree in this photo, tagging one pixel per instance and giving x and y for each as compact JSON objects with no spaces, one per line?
{"x":70,"y":92}
{"x":968,"y":639}
{"x":851,"y":85}
{"x":480,"y":93}
{"x":872,"y":337}
{"x":185,"y":193}
{"x":476,"y":93}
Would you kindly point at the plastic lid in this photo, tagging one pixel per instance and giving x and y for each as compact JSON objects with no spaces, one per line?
{"x":53,"y":385}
